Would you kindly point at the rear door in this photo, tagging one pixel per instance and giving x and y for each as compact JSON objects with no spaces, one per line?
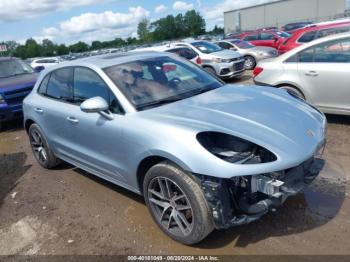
{"x":324,"y":71}
{"x":56,"y":91}
{"x":253,"y":39}
{"x":267,"y":39}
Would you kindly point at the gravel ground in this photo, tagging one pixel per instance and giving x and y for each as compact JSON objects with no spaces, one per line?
{"x":68,"y":211}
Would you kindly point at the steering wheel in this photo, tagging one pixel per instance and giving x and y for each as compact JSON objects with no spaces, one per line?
{"x":175,"y":82}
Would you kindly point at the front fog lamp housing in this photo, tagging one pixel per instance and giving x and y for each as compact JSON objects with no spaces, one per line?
{"x":234,"y":149}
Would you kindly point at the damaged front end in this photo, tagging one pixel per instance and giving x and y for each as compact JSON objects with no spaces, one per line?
{"x":241,"y":200}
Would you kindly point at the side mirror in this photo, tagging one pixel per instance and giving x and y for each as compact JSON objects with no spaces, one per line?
{"x":96,"y":105}
{"x":233,"y":48}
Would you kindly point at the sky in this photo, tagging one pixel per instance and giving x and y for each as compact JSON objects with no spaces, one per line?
{"x":69,"y":21}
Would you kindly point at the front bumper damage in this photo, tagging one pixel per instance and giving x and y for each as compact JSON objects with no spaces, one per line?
{"x":241,"y":200}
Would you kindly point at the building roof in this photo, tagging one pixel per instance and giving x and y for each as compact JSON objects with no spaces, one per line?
{"x":253,"y":6}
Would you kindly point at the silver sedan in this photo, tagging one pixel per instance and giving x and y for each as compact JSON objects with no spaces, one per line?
{"x":252,"y":54}
{"x":318,"y":72}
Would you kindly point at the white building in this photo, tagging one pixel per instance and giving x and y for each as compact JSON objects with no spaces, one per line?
{"x":281,"y":12}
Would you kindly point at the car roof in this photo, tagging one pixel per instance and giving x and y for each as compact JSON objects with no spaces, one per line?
{"x":314,"y":27}
{"x":312,"y":43}
{"x":103,"y":61}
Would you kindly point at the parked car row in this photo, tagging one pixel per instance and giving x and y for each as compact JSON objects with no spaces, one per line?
{"x":318,"y":72}
{"x":298,"y":34}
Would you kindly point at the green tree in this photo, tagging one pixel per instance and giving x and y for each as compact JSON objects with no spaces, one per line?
{"x":62,"y":49}
{"x":48,"y":48}
{"x":32,"y":48}
{"x":194,"y":23}
{"x":217,"y":30}
{"x":79,"y":47}
{"x":143,"y":30}
{"x":97,"y":45}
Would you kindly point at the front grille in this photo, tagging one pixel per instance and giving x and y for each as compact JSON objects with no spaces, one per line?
{"x":238,"y":66}
{"x":16,"y":96}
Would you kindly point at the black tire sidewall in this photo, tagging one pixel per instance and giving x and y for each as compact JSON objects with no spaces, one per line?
{"x":253,"y":64}
{"x":167,"y":170}
{"x":52,"y":160}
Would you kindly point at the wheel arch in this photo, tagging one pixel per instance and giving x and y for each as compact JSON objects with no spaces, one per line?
{"x":149,"y":161}
{"x":296,"y":86}
{"x":28,"y":123}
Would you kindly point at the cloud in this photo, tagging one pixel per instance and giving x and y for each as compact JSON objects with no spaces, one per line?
{"x":98,"y":26}
{"x":160,"y":9}
{"x":214,"y":14}
{"x":14,"y":10}
{"x":182,"y":6}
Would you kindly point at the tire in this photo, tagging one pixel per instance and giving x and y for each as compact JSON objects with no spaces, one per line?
{"x":250,"y":62}
{"x":295,"y":91}
{"x":41,"y":149}
{"x":182,"y":199}
{"x":210,"y":70}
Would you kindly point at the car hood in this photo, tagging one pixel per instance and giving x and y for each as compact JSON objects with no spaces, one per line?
{"x":226,"y":54}
{"x":17,"y":82}
{"x":266,"y":116}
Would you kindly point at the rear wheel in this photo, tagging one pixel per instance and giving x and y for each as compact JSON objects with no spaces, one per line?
{"x":249,"y":63}
{"x":177,"y":204}
{"x":294,"y":91}
{"x":40,"y":148}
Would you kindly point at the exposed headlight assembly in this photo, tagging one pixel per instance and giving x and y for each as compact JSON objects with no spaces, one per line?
{"x":233,"y":149}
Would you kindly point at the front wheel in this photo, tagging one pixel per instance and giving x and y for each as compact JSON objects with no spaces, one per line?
{"x":177,"y":204}
{"x":249,"y":63}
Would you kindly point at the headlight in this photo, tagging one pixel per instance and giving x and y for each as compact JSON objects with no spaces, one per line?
{"x":220,"y":60}
{"x":234,"y":149}
{"x":2,"y":100}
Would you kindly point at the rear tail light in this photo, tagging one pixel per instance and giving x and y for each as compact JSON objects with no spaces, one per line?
{"x":257,"y":71}
{"x":199,"y":60}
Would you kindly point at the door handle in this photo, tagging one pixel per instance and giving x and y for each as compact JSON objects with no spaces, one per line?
{"x":311,"y":73}
{"x":73,"y":120}
{"x":39,"y":110}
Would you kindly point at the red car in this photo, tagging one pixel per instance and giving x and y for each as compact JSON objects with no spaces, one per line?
{"x":271,"y":38}
{"x":312,"y":32}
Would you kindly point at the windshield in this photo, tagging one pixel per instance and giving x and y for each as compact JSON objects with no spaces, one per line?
{"x":13,"y":67}
{"x":206,"y":47}
{"x":156,"y":81}
{"x":283,"y":34}
{"x":242,"y":44}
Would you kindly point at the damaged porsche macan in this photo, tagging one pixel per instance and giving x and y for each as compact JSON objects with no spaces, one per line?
{"x":203,"y":154}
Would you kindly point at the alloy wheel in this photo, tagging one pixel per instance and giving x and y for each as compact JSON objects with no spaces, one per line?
{"x":170,"y":206}
{"x":38,"y":146}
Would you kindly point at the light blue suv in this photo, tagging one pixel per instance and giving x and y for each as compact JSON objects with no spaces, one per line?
{"x":203,"y":154}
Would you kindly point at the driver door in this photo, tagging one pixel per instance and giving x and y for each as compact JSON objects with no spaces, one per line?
{"x":95,"y":142}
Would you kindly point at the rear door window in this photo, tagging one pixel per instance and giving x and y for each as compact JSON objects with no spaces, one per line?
{"x":60,"y":84}
{"x":307,"y":37}
{"x":252,"y":37}
{"x":266,"y":36}
{"x":333,"y":52}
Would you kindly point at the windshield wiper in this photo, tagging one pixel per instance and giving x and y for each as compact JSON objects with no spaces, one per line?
{"x":160,"y":102}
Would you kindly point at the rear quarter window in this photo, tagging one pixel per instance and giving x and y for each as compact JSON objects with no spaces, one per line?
{"x":60,"y":84}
